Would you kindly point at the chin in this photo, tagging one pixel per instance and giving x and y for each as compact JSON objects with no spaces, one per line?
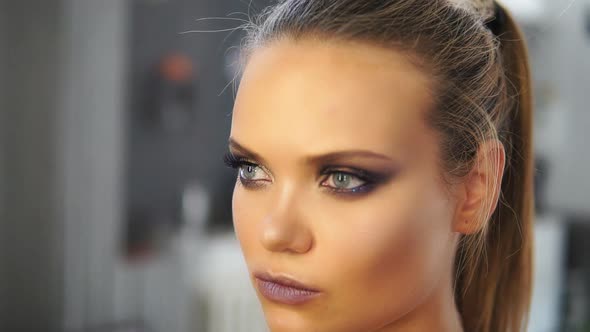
{"x":288,"y":320}
{"x":285,"y":321}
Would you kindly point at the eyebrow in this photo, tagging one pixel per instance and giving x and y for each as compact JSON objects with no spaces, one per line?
{"x":317,"y":159}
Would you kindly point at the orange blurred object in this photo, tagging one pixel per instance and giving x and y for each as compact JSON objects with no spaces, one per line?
{"x":176,"y":68}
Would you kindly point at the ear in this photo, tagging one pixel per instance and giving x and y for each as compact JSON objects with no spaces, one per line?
{"x":479,"y":192}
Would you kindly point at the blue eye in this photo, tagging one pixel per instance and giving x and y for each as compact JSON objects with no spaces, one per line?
{"x":249,"y":173}
{"x":344,"y":181}
{"x":341,"y":182}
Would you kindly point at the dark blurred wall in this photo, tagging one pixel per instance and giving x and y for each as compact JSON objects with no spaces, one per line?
{"x":31,"y":292}
{"x":161,"y":162}
{"x":2,"y":185}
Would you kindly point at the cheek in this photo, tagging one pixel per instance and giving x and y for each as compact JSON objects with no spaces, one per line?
{"x":248,"y":210}
{"x":243,"y":209}
{"x":387,"y":253}
{"x":376,"y":257}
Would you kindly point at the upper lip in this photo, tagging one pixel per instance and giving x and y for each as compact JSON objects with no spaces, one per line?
{"x":285,"y":281}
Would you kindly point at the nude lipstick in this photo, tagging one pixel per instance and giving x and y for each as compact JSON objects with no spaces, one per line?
{"x":284,"y":290}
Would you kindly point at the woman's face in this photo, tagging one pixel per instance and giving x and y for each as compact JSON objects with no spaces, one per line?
{"x":338,"y":187}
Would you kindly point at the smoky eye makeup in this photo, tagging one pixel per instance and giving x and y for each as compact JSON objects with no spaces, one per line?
{"x":337,"y":180}
{"x":340,"y":180}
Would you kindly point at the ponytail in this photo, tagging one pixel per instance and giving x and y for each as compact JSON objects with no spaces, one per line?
{"x":497,"y":298}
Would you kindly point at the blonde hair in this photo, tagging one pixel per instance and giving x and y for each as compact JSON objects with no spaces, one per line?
{"x":483,"y":92}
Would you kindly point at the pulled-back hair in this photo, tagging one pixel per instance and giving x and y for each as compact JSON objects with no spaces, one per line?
{"x":482,"y":92}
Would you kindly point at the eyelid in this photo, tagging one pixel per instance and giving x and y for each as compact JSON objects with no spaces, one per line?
{"x":236,"y":160}
{"x":362,"y":174}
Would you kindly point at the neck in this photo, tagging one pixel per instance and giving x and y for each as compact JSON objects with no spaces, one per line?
{"x":437,"y":313}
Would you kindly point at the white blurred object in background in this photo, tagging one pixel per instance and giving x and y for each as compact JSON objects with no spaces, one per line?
{"x":548,"y":275}
{"x":223,"y":292}
{"x":527,"y":11}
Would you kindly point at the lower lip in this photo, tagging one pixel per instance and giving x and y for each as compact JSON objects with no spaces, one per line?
{"x":284,"y":294}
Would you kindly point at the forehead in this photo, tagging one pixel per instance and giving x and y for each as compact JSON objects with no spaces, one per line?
{"x":319,"y":96}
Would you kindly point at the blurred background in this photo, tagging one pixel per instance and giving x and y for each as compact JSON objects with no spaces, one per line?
{"x":115,"y":207}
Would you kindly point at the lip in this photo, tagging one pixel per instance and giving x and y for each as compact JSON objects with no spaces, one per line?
{"x":284,"y":290}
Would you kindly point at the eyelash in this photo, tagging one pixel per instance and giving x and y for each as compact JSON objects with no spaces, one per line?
{"x":369,"y":180}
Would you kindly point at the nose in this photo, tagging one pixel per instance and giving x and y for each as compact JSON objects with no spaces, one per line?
{"x":284,"y":229}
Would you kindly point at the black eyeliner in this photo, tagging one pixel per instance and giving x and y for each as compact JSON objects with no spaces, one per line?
{"x":367,"y":176}
{"x":372,"y":180}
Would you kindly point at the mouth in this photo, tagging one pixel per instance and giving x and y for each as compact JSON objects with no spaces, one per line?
{"x":284,"y":290}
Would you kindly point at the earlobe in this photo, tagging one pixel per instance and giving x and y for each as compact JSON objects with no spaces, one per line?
{"x":480,"y":189}
{"x":468,"y":218}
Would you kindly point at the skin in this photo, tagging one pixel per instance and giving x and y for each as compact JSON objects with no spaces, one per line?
{"x":383,"y":259}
